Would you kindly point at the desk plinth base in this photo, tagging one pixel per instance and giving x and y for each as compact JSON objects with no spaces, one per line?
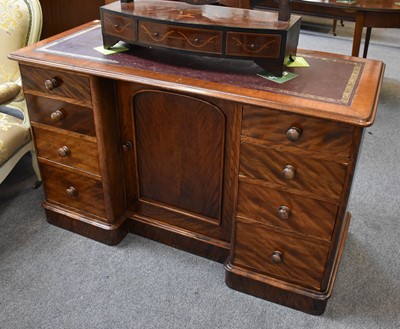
{"x":175,"y":237}
{"x":110,"y":234}
{"x":284,"y":293}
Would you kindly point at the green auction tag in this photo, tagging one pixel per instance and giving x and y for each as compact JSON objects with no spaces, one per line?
{"x":286,"y":76}
{"x":298,"y":62}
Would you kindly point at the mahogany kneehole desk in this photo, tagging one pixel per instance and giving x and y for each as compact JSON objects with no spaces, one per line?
{"x":204,"y":155}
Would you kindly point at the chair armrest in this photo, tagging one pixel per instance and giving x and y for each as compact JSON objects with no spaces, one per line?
{"x":8,"y":91}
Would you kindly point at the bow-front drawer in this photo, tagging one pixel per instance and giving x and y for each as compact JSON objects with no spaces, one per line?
{"x":67,"y":149}
{"x":278,"y":255}
{"x":57,"y":84}
{"x":177,"y":37}
{"x":120,"y":26}
{"x":253,"y":44}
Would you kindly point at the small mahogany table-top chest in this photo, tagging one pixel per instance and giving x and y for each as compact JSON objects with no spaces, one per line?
{"x":202,"y":154}
{"x":206,"y":29}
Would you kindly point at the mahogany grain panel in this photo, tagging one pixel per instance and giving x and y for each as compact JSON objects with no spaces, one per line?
{"x":174,"y":216}
{"x":303,"y":261}
{"x":322,"y":178}
{"x":307,"y":216}
{"x":316,"y":135}
{"x":343,"y":217}
{"x":109,"y":147}
{"x":181,"y":158}
{"x":74,"y":118}
{"x":71,"y":85}
{"x":89,"y":192}
{"x":82,"y":154}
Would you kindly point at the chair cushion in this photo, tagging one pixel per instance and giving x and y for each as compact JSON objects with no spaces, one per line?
{"x":8,"y":91}
{"x":13,"y":135}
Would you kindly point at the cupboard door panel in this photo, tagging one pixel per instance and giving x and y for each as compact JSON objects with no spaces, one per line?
{"x":181,"y":159}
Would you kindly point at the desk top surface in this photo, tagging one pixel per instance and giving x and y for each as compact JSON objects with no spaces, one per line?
{"x":336,"y":87}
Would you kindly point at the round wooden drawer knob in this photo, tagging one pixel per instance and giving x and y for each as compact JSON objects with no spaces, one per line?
{"x":71,"y":191}
{"x":64,"y":151}
{"x":57,"y":116}
{"x":283,"y":212}
{"x":293,"y":134}
{"x":127,"y":146}
{"x":277,"y":257}
{"x":51,"y":84}
{"x":289,"y":172}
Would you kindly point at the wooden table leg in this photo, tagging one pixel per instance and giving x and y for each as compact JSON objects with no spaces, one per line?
{"x":334,"y":27}
{"x":366,"y":44}
{"x":360,"y":18}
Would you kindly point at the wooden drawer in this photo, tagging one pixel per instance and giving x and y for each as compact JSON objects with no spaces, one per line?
{"x":80,"y":153}
{"x":59,"y":186}
{"x":320,"y":177}
{"x":120,"y":26}
{"x":57,"y":83}
{"x":253,"y":44}
{"x":315,"y":135}
{"x":177,"y":37}
{"x":285,"y":210}
{"x":60,"y":114}
{"x":302,"y":261}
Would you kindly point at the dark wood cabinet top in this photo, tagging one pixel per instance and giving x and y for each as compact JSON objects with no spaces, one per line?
{"x":336,"y":87}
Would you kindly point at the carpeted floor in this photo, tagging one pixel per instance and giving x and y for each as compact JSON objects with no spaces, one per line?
{"x":53,"y":279}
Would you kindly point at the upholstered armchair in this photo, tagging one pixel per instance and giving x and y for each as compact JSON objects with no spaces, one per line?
{"x":20,"y":25}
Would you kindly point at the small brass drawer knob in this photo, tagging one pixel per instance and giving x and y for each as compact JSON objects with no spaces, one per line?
{"x":156,"y":34}
{"x":283,"y":212}
{"x":197,"y":40}
{"x":51,"y":84}
{"x":57,"y":116}
{"x":277,"y":257}
{"x":71,"y":191}
{"x":64,"y":151}
{"x":289,"y":172}
{"x":293,"y":134}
